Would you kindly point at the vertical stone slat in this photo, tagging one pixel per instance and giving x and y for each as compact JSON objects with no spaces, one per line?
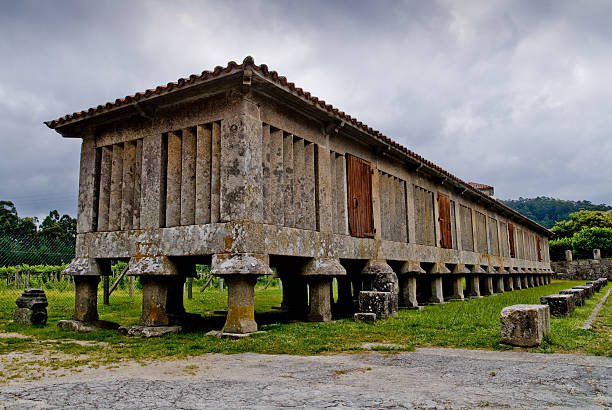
{"x":105,"y":184}
{"x":288,"y":180}
{"x":188,"y":176}
{"x":341,"y":203}
{"x":324,"y":202}
{"x":137,"y":185}
{"x":277,"y":206}
{"x":401,"y":207}
{"x":410,"y":213}
{"x":310,"y":220}
{"x":298,"y":181}
{"x":173,"y":180}
{"x":88,"y":173}
{"x":393,"y":223}
{"x":203,"y":174}
{"x":127,"y":195}
{"x":385,"y":208}
{"x":153,"y":202}
{"x":334,"y":192}
{"x":265,"y":174}
{"x":215,"y":174}
{"x":114,"y":208}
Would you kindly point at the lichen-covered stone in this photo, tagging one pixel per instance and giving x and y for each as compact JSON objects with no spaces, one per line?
{"x":148,"y":331}
{"x":560,"y":305}
{"x":525,"y":325}
{"x":86,"y":327}
{"x":579,"y":295}
{"x":590,"y":290}
{"x":381,"y":303}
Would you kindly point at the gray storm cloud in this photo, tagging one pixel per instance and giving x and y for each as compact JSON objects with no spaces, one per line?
{"x":512,"y":94}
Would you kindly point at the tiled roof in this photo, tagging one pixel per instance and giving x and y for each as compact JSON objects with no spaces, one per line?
{"x":249,"y":63}
{"x":479,"y":186}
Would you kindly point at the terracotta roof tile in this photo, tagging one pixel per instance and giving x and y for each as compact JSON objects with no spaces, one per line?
{"x":262,"y":69}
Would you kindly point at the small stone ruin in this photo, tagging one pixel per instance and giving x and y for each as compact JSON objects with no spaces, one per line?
{"x":525,"y":325}
{"x":31,"y":307}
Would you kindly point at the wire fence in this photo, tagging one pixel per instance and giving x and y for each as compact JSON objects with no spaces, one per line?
{"x":38,"y":262}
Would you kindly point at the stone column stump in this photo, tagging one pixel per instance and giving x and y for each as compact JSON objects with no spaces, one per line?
{"x":579,"y":295}
{"x":525,"y":325}
{"x":31,"y":307}
{"x":560,"y":305}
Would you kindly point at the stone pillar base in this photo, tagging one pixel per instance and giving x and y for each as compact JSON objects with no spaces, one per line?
{"x":408,"y":292}
{"x":456,"y":288}
{"x":517,"y":282}
{"x":437,"y":296}
{"x":499,"y":284}
{"x":486,"y":286}
{"x":320,"y":301}
{"x":240,"y":304}
{"x":86,"y":298}
{"x":473,"y":287}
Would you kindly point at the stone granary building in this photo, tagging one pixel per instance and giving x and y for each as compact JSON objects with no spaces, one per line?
{"x":240,"y":169}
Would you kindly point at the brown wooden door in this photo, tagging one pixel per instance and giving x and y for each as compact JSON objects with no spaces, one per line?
{"x":446,"y":238}
{"x":539,"y":249}
{"x":360,"y":212}
{"x":511,"y":238}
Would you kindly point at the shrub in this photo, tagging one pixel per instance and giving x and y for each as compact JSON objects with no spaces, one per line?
{"x":593,"y":238}
{"x":558,"y":248}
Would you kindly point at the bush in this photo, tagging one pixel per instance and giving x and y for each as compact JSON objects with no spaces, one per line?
{"x":593,"y":238}
{"x":558,"y":248}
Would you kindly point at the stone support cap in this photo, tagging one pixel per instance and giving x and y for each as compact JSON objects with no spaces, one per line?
{"x":439,"y":268}
{"x":476,"y":269}
{"x":83,"y":267}
{"x":460,"y":269}
{"x":490,"y":269}
{"x":151,"y":265}
{"x":411,"y":267}
{"x":512,"y":270}
{"x":501,"y":269}
{"x":323,"y":267}
{"x":374,"y":267}
{"x":240,"y":264}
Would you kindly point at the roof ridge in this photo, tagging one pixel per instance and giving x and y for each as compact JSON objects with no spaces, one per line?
{"x":249,"y":62}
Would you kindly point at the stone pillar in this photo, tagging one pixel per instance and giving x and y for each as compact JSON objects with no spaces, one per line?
{"x":508,"y":283}
{"x":407,"y":279}
{"x":568,"y":255}
{"x":436,"y":291}
{"x":319,"y":273}
{"x":596,"y":254}
{"x":499,"y":284}
{"x":240,"y":304}
{"x":531,"y":281}
{"x":155,"y":291}
{"x":525,"y":280}
{"x":517,"y":282}
{"x":473,"y":287}
{"x":486,"y":285}
{"x":241,"y":272}
{"x":320,"y":300}
{"x":86,"y":273}
{"x":407,"y":292}
{"x":86,"y":298}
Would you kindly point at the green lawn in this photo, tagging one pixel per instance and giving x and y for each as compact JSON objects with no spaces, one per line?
{"x":469,"y":324}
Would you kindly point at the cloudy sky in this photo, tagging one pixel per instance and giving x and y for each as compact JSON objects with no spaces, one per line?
{"x":515,"y":94}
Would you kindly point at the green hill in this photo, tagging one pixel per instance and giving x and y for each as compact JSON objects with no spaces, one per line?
{"x":547,"y":211}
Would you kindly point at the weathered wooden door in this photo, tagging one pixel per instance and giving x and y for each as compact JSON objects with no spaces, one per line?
{"x":444,"y":218}
{"x":511,"y":238}
{"x":361,"y":215}
{"x":539,"y":249}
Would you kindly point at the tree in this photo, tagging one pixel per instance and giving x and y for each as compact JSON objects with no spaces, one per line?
{"x":54,"y":226}
{"x":8,"y":217}
{"x":582,"y":220}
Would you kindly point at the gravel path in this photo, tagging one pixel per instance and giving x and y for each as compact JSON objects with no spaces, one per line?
{"x":427,"y":378}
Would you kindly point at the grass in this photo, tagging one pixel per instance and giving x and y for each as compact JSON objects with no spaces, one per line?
{"x":469,"y":324}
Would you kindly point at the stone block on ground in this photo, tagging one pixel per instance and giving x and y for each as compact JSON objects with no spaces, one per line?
{"x":31,"y":307}
{"x":224,"y":335}
{"x":86,"y":327}
{"x":560,"y":305}
{"x":384,"y":304}
{"x":590,"y":291}
{"x":596,"y":285}
{"x":579,"y":295}
{"x":525,"y":325}
{"x":148,"y":331}
{"x":365,"y":317}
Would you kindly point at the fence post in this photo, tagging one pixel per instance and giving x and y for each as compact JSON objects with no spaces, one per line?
{"x":17,"y":277}
{"x":220,"y":284}
{"x":106,"y":284}
{"x":132,"y":278}
{"x":190,"y":288}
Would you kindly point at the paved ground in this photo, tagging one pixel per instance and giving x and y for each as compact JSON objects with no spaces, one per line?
{"x":427,"y":378}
